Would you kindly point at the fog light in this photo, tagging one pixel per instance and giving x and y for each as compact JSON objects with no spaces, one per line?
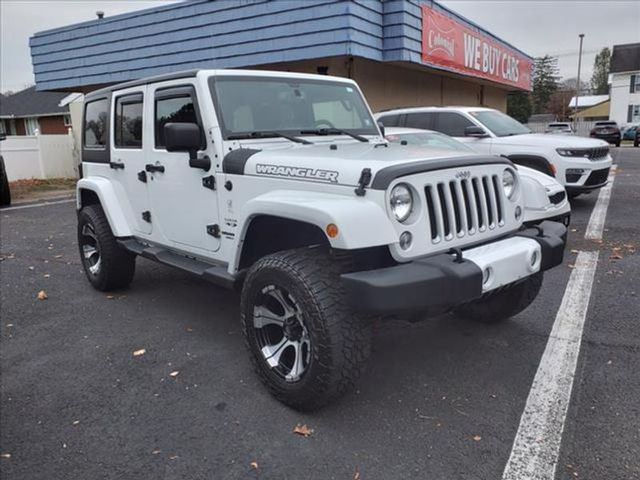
{"x":575,"y":171}
{"x":518,"y":213}
{"x":405,"y":240}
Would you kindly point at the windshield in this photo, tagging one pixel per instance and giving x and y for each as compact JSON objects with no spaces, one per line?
{"x":262,"y":104}
{"x":499,"y":124}
{"x":429,"y":140}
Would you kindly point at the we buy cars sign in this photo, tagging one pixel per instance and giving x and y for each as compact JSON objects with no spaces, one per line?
{"x":458,"y":48}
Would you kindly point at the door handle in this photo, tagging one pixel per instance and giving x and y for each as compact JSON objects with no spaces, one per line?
{"x":116,"y":165}
{"x":150,"y":167}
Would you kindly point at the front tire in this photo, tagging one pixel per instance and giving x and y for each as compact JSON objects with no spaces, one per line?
{"x":507,"y":302}
{"x":107,"y":265}
{"x":306,"y":344}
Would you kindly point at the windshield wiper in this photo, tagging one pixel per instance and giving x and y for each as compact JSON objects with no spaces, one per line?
{"x":244,"y":136}
{"x":334,"y":131}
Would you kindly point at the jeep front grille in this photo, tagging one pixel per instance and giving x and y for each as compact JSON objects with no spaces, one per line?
{"x":464,"y":207}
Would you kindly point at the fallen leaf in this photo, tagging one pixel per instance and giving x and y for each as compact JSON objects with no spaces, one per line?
{"x":42,"y":295}
{"x":615,"y":256}
{"x":110,"y":297}
{"x":137,"y":353}
{"x":6,"y":455}
{"x":571,"y":265}
{"x":155,"y":452}
{"x":174,"y":374}
{"x":575,"y":251}
{"x":254,"y":465}
{"x":477,"y":438}
{"x":76,"y":422}
{"x":189,"y":329}
{"x":32,"y":268}
{"x":356,"y":476}
{"x":46,"y":275}
{"x":173,"y":457}
{"x":303,"y":430}
{"x":57,"y":256}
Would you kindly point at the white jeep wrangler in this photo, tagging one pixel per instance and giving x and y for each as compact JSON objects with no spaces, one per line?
{"x":281,"y":185}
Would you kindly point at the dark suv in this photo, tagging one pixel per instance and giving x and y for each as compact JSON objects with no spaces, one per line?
{"x":607,"y":131}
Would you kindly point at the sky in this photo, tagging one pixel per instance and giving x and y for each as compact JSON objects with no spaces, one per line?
{"x":537,"y":27}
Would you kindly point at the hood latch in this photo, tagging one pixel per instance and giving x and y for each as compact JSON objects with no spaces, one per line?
{"x":365,"y":179}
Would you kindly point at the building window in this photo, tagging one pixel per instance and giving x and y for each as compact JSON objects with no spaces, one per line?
{"x":67,"y":120}
{"x":95,"y":124}
{"x":634,"y":86}
{"x":31,"y":126}
{"x":173,"y":109}
{"x":128,"y":122}
{"x":2,"y":127}
{"x":633,"y":115}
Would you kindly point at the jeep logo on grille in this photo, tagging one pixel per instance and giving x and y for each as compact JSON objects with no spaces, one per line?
{"x":463,"y":174}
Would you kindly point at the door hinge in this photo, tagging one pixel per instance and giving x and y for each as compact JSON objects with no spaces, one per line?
{"x":146,"y":216}
{"x":214,"y":230}
{"x":142,"y":176}
{"x":209,"y":182}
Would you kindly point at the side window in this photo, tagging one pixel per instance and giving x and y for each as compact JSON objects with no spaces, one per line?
{"x":95,"y":124}
{"x":452,"y":124}
{"x":127,"y":123}
{"x":420,"y":120}
{"x":389,"y":120}
{"x":178,"y":107}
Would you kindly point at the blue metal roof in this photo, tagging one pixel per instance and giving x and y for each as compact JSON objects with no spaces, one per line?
{"x":227,"y":34}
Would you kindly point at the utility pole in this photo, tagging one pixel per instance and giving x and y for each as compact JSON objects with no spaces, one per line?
{"x":575,"y":107}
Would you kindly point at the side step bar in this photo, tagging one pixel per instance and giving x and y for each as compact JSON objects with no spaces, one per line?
{"x":212,"y":273}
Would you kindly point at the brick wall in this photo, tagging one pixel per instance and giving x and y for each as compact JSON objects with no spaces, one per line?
{"x":52,"y":125}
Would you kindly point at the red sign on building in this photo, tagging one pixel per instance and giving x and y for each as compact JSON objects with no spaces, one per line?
{"x":456,"y":47}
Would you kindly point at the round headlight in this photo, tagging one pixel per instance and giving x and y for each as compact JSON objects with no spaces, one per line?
{"x":508,"y":183}
{"x":401,"y":202}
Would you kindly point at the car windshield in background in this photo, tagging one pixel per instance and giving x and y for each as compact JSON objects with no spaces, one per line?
{"x":429,"y":140}
{"x":261,"y":104}
{"x":500,"y":124}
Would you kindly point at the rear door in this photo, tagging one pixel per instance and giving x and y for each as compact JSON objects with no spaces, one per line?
{"x":127,"y":153}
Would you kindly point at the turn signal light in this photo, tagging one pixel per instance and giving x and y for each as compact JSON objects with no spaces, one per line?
{"x":332,"y":230}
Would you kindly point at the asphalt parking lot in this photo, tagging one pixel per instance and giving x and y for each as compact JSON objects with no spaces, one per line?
{"x":441,"y":399}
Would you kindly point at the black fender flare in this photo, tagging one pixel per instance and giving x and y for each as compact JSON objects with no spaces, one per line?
{"x":536,"y":162}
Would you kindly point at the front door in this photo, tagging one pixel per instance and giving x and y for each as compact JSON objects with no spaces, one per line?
{"x":128,"y":155}
{"x":184,"y":209}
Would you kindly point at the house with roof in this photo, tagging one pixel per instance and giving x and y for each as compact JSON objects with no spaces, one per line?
{"x":590,"y":108}
{"x":31,"y":112}
{"x":625,"y":84}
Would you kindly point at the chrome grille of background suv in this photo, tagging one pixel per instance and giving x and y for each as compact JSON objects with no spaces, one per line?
{"x":464,"y":207}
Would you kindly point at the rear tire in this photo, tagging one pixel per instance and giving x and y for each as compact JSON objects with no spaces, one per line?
{"x":496,"y":307}
{"x":293,"y":309}
{"x":5,"y":193}
{"x":107,"y":265}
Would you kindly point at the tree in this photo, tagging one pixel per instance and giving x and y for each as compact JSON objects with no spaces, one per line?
{"x":545,"y":82}
{"x":600,"y":77}
{"x":519,"y":106}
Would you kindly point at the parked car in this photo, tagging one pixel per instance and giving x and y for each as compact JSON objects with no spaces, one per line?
{"x":579,"y":164}
{"x":544,"y":197}
{"x":559,"y":127}
{"x":630,"y":132}
{"x":281,"y":185}
{"x":5,"y":193}
{"x":607,"y":131}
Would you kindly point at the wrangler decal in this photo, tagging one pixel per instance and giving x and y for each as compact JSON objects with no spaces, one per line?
{"x":298,"y":172}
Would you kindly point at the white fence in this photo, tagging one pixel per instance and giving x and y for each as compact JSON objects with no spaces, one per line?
{"x":582,"y":128}
{"x":39,"y":156}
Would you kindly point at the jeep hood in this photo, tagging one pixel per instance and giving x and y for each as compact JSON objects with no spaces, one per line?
{"x":323,"y":163}
{"x":550,"y":140}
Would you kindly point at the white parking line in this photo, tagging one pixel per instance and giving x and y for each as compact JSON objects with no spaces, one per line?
{"x":34,"y":205}
{"x":535,"y":451}
{"x":599,"y":214}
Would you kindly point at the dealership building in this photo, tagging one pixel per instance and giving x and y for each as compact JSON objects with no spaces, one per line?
{"x":401,"y":52}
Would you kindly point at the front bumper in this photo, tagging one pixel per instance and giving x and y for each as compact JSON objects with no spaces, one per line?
{"x":441,"y":282}
{"x":596,"y":179}
{"x":612,"y":138}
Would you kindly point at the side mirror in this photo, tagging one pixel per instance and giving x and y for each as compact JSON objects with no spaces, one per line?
{"x":381,"y":127}
{"x":186,"y":137}
{"x":475,"y":131}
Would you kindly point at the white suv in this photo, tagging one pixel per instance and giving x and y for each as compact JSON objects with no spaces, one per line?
{"x":281,"y":186}
{"x":580,"y":164}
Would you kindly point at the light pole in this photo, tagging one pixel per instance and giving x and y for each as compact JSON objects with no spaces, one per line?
{"x":575,"y":107}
